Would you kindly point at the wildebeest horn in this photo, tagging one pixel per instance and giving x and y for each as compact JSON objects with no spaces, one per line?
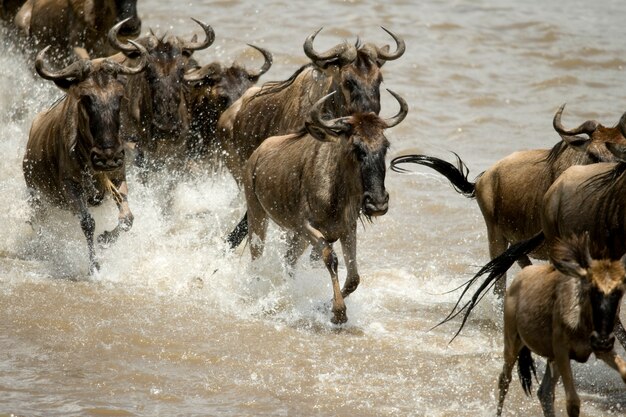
{"x":622,"y":125}
{"x":404,"y":109}
{"x":383,"y":55}
{"x":342,"y":54}
{"x":266,"y":66}
{"x":115,"y":42}
{"x":208,"y":40}
{"x":77,"y":71}
{"x":586,"y":128}
{"x":123,"y":69}
{"x":336,"y":125}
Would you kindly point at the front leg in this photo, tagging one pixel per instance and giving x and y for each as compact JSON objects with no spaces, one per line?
{"x":119,"y":190}
{"x":348,"y":246}
{"x":75,"y":196}
{"x":614,"y":361}
{"x":572,"y":401}
{"x":330,"y":260}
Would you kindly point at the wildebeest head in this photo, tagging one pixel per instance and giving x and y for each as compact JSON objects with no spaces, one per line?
{"x":356,"y":71}
{"x":363,"y":135}
{"x":217,"y":87}
{"x":602,"y":281}
{"x":598,"y":143}
{"x":93,"y":88}
{"x":127,"y":11}
{"x":168,"y":57}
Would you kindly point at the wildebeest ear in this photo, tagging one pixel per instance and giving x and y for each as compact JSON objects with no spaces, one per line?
{"x":576,"y":142}
{"x":618,"y":151}
{"x":315,"y":131}
{"x":571,"y":257}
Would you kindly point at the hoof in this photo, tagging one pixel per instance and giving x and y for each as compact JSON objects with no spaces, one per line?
{"x":94,"y":268}
{"x":339,"y":318}
{"x":105,"y":239}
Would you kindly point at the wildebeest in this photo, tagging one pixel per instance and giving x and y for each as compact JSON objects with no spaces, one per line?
{"x":278,"y":108}
{"x":75,"y":155}
{"x":65,"y":24}
{"x":562,"y":311}
{"x":316,"y":183}
{"x":510,"y":193}
{"x":584,"y":199}
{"x":155,"y":115}
{"x":211,"y":89}
{"x":9,"y":8}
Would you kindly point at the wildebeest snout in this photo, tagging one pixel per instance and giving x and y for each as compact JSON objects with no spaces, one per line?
{"x":107,"y":159}
{"x":602,"y":343}
{"x":375,"y":204}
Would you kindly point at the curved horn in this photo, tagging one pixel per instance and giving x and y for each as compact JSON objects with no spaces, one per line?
{"x":343,"y":53}
{"x":78,"y":70}
{"x":115,"y":42}
{"x":208,"y":41}
{"x":622,"y":125}
{"x":266,"y":66}
{"x":404,"y":109}
{"x":400,"y":48}
{"x":336,"y":125}
{"x":586,"y":128}
{"x":123,"y":69}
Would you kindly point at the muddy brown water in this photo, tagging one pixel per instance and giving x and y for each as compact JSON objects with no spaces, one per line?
{"x":176,"y":325}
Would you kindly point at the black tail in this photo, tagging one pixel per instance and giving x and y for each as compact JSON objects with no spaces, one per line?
{"x":456,"y":174}
{"x":526,"y":366}
{"x":239,"y":233}
{"x":496,"y":268}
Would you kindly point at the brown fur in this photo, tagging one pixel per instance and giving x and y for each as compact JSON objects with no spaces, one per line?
{"x":279,"y":108}
{"x":64,"y":144}
{"x":315,"y":185}
{"x":155,"y":115}
{"x":65,"y":24}
{"x":510,"y":193}
{"x":209,"y":96}
{"x":549,"y":310}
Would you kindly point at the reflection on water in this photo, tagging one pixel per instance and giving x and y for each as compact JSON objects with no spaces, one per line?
{"x":175,"y":324}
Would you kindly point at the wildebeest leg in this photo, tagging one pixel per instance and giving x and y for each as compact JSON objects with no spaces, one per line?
{"x":87,"y":223}
{"x":546,"y":389}
{"x":257,"y":226}
{"x":330,"y":260}
{"x":296,"y":244}
{"x":620,"y":333}
{"x":572,"y":401}
{"x":348,"y":246}
{"x":614,"y":361}
{"x":125,"y":217}
{"x":512,"y":346}
{"x":497,"y":245}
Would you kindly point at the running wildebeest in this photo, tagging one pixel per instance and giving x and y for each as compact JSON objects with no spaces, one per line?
{"x":155,"y":115}
{"x":562,"y":311}
{"x":75,"y":155}
{"x":510,"y":193}
{"x":66,"y":24}
{"x":316,"y":184}
{"x":281,"y":107}
{"x":211,"y":89}
{"x":584,"y":199}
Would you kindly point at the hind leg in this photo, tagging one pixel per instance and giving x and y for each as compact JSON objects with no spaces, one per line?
{"x":497,"y":245}
{"x":296,"y":245}
{"x":511,"y":350}
{"x":546,"y":389}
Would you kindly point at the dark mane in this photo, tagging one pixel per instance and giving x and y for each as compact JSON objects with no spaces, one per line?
{"x":556,"y":151}
{"x":368,"y":124}
{"x":603,"y":183}
{"x":272,"y":87}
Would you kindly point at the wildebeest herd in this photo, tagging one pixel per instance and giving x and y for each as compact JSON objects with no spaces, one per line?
{"x":309,"y":153}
